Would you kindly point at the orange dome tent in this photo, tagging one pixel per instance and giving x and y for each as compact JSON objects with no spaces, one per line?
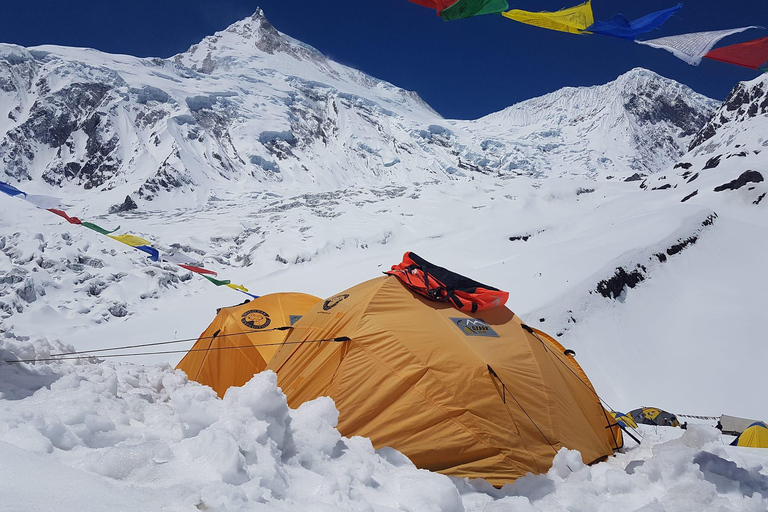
{"x":469,"y":395}
{"x":242,"y":339}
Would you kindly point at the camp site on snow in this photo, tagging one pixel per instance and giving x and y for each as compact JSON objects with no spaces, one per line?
{"x":204,"y":301}
{"x":422,"y":360}
{"x":428,"y":362}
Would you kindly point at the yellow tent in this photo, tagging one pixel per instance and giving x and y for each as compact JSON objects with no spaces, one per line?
{"x":615,"y":437}
{"x":242,"y":339}
{"x":478,"y":396}
{"x":755,"y":436}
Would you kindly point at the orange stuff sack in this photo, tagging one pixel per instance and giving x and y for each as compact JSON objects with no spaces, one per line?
{"x":442,"y":285}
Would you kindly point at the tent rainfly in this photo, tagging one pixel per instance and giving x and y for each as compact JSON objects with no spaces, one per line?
{"x":754,"y":436}
{"x":242,"y":339}
{"x":477,"y":395}
{"x":654,"y":416}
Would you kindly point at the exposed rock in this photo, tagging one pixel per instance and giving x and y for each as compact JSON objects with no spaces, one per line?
{"x":746,"y":177}
{"x":712,"y":162}
{"x":118,"y":310}
{"x":613,"y":287}
{"x":744,"y":101}
{"x":692,"y":194}
{"x":682,"y":244}
{"x":127,"y":206}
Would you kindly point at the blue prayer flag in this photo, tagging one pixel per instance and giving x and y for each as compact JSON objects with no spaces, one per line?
{"x":10,"y":189}
{"x":619,"y":26}
{"x":154,"y":254}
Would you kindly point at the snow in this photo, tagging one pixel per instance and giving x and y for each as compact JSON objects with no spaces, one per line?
{"x":123,"y":435}
{"x":160,"y":442}
{"x":531,"y":200}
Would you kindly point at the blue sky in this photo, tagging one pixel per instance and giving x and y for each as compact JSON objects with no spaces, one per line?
{"x":463,"y":68}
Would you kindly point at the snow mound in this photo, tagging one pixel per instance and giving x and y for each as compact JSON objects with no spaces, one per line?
{"x":129,"y":436}
{"x":665,"y":473}
{"x":117,"y":430}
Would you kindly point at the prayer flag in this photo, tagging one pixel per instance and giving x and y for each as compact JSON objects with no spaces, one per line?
{"x":692,"y":47}
{"x":468,"y":8}
{"x":752,"y":54}
{"x":573,"y":20}
{"x":217,"y":282}
{"x":154,"y":254}
{"x":198,"y":270}
{"x":455,"y":9}
{"x":619,"y":26}
{"x":9,"y":189}
{"x":180,"y":258}
{"x":44,"y":202}
{"x":71,"y":220}
{"x":133,"y":241}
{"x":98,"y":229}
{"x":238,"y":287}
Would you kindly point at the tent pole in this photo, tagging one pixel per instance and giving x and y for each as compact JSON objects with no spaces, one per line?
{"x":628,"y":433}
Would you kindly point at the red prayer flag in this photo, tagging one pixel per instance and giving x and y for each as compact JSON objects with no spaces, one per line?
{"x":438,"y":5}
{"x":71,"y":220}
{"x":752,"y":54}
{"x":198,"y":269}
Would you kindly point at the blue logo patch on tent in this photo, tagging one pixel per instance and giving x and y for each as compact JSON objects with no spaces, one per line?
{"x":474,"y":327}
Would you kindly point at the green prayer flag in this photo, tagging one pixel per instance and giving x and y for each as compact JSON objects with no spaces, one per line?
{"x":468,"y":8}
{"x":98,"y":229}
{"x":217,"y":282}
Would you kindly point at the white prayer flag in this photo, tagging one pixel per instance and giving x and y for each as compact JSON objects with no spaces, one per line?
{"x":43,"y":202}
{"x":692,"y":47}
{"x":180,"y":258}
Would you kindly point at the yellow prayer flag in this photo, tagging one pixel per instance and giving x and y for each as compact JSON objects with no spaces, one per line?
{"x":574,"y":20}
{"x":238,"y":287}
{"x":133,"y":241}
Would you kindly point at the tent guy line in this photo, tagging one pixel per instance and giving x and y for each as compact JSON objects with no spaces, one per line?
{"x":186,"y":340}
{"x":535,"y":333}
{"x":337,"y":339}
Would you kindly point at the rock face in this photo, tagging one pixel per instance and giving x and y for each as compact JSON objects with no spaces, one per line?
{"x":747,"y":100}
{"x":727,"y":155}
{"x":253,"y":106}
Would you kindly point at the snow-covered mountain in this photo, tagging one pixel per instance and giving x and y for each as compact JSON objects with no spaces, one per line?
{"x":729,"y":152}
{"x":639,"y":122}
{"x":250,"y":105}
{"x":626,"y":219}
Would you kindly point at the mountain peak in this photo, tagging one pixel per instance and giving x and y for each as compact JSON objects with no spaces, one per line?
{"x":248,"y":39}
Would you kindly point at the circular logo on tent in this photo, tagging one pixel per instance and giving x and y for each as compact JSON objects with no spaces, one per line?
{"x":333,"y":301}
{"x":255,"y":319}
